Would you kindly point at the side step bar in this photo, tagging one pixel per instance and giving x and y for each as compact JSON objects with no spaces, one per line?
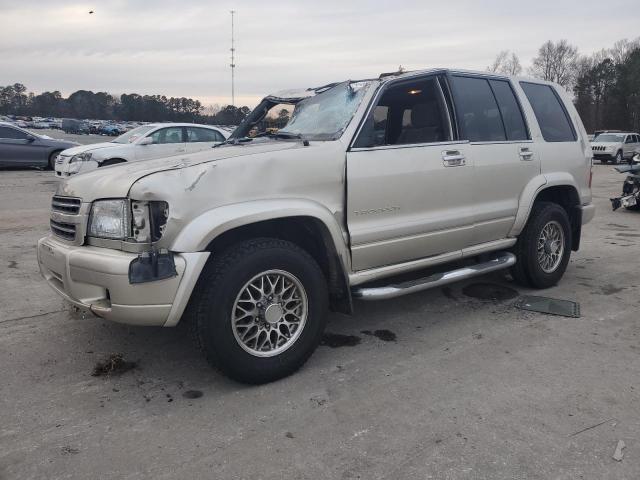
{"x":501,"y":261}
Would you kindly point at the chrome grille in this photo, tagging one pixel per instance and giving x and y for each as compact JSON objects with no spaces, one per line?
{"x":63,"y":230}
{"x":598,"y":148}
{"x":68,"y":205}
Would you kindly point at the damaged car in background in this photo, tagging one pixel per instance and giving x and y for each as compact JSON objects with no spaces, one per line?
{"x":368,"y":184}
{"x":145,"y":142}
{"x":630,"y":197}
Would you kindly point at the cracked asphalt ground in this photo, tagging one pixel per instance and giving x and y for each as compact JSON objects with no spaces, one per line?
{"x":442,"y":385}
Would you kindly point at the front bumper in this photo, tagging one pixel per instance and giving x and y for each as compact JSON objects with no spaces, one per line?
{"x":96,"y":279}
{"x":604,"y":156}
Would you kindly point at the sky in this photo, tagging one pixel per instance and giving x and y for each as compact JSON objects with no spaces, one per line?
{"x":181,"y":47}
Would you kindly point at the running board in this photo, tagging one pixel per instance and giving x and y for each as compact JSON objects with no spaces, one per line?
{"x":501,"y":261}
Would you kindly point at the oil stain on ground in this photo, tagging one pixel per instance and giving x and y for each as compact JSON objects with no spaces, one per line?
{"x":629,"y":235}
{"x":191,"y":394}
{"x":490,"y":292}
{"x":335,"y":340}
{"x":384,"y":335}
{"x":611,"y":289}
{"x":12,"y":264}
{"x":115,"y":364}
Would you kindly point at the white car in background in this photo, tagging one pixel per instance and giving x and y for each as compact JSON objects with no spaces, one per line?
{"x":615,"y":147}
{"x":146,"y":142}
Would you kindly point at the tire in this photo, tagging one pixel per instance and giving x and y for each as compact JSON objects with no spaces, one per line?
{"x":51,"y":163}
{"x":529,"y":269}
{"x":619,"y":158}
{"x":223,"y":289}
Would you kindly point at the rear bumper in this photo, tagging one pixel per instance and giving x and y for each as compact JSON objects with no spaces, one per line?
{"x":588,"y":212}
{"x":97,"y":280}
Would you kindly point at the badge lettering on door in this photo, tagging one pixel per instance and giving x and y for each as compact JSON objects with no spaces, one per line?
{"x":376,"y":211}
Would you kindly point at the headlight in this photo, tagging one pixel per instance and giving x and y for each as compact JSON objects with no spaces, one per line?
{"x":109,"y":219}
{"x":75,"y":162}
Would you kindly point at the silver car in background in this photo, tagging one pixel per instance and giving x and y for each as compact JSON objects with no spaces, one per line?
{"x":147,"y":142}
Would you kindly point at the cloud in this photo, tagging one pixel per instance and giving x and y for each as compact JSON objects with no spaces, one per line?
{"x":182,"y":48}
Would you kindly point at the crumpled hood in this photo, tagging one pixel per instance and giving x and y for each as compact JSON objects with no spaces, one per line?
{"x":116,"y":181}
{"x":91,"y":147}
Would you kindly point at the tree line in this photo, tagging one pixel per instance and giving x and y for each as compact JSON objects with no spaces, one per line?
{"x":85,"y":104}
{"x":605,"y":85}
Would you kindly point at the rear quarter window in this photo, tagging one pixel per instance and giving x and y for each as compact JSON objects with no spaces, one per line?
{"x":552,"y":117}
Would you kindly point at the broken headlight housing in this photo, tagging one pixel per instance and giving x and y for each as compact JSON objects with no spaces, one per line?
{"x":121,"y":219}
{"x":148,"y":220}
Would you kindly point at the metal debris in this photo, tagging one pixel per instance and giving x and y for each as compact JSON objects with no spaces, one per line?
{"x":619,"y":454}
{"x":551,"y":306}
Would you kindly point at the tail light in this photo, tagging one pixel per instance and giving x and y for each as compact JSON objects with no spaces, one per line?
{"x":590,"y":173}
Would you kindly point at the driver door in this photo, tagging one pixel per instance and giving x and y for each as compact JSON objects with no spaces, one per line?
{"x":409,"y":184}
{"x":166,"y":142}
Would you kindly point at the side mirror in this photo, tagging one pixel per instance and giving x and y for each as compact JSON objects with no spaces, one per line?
{"x":31,"y":139}
{"x":145,"y":141}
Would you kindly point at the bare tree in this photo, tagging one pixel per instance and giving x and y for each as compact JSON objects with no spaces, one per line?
{"x":556,"y":62}
{"x":506,"y":63}
{"x":621,"y":50}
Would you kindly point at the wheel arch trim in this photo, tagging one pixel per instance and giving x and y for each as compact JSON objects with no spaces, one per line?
{"x":531,"y":192}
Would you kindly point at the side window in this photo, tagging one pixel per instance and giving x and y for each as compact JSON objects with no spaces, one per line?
{"x":408,"y":112}
{"x":551,"y":115}
{"x":195,"y":135}
{"x":478,"y":113}
{"x":637,"y":138}
{"x":167,"y":135}
{"x":629,"y":139}
{"x":514,"y":124}
{"x":12,"y":133}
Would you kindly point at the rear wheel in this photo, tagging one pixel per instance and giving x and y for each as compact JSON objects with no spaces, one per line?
{"x":544,"y":247}
{"x":259,"y":310}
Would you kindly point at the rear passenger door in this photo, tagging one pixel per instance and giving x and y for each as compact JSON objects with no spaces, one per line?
{"x":504,"y":157}
{"x":199,"y":138}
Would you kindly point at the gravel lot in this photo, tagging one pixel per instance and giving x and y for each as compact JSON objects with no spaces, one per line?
{"x":469,"y":388}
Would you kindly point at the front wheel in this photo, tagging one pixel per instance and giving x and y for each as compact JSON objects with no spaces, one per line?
{"x":51,"y":164}
{"x":259,"y":310}
{"x":618,"y":159}
{"x":544,"y":247}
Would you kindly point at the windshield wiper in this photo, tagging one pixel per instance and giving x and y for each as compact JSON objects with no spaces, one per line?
{"x":283,"y":135}
{"x":234,"y":141}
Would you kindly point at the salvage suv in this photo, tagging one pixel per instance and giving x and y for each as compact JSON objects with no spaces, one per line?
{"x":436,"y":175}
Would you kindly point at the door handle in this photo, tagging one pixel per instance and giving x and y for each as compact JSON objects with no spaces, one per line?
{"x":526,"y":154}
{"x":453,"y":158}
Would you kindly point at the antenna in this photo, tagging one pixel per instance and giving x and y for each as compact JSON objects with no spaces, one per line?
{"x":233,"y":62}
